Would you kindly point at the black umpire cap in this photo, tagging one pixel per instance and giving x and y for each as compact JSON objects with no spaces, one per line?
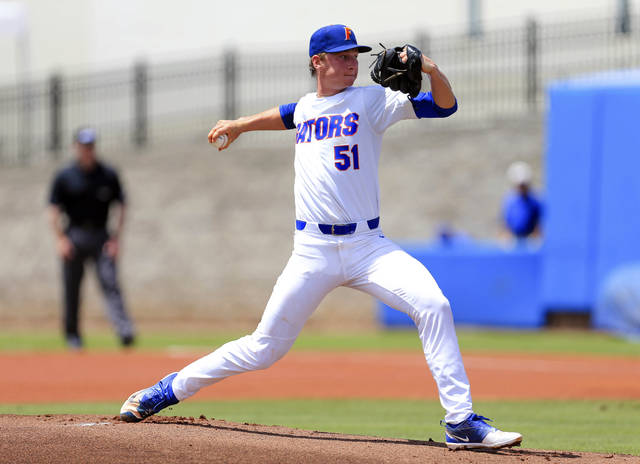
{"x":85,"y":136}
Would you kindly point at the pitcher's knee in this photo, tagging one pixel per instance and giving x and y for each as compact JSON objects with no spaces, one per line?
{"x":437,"y":306}
{"x":267,"y":350}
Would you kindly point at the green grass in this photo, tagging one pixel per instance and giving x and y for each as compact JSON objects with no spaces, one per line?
{"x":602,"y":426}
{"x":543,"y":341}
{"x":598,"y":426}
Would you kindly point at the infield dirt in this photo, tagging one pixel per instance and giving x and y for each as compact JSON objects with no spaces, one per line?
{"x":113,"y":376}
{"x":181,"y":440}
{"x":69,"y":377}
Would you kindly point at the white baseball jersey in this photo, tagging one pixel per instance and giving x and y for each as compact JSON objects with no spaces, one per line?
{"x":338,"y":140}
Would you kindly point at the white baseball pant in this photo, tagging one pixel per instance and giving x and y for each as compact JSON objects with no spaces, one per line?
{"x":365,"y":261}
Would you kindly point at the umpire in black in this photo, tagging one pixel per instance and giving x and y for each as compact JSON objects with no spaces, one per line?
{"x":80,"y":199}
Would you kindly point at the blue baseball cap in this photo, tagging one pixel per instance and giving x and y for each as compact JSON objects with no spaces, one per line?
{"x":86,"y":136}
{"x":334,"y":38}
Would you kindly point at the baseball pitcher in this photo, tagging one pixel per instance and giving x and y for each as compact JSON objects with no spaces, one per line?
{"x":338,"y":239}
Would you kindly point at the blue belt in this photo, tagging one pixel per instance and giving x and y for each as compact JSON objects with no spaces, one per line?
{"x":339,"y":229}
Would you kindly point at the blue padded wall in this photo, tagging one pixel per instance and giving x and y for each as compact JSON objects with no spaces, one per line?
{"x":592,"y":221}
{"x":486,"y":285}
{"x":591,"y":224}
{"x":567,"y":268}
{"x":619,"y":194}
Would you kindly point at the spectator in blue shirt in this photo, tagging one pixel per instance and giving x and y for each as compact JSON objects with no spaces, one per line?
{"x":521,"y":207}
{"x":448,"y":236}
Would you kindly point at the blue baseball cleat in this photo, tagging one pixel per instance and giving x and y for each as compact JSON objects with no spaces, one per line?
{"x":474,"y":432}
{"x":147,"y":402}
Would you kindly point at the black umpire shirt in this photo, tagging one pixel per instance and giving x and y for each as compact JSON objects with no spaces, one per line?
{"x":85,"y":196}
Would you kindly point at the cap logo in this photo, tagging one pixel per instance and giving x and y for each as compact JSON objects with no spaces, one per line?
{"x":347,"y":33}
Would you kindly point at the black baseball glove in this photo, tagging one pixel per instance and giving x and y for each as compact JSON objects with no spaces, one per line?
{"x":389,"y":71}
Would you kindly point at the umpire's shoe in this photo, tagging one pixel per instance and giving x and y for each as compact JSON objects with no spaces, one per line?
{"x":147,"y":402}
{"x":474,"y":432}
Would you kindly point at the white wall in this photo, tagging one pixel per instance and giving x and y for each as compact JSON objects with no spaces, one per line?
{"x":72,"y":35}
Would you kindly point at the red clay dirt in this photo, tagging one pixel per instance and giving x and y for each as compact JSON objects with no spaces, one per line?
{"x":66,"y":377}
{"x":180,"y":440}
{"x":62,"y":377}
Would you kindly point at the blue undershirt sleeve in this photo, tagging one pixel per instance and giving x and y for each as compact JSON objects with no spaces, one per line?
{"x":425,"y":107}
{"x":286,"y":113}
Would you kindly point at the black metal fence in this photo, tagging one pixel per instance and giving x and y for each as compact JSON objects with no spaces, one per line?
{"x":497,"y":74}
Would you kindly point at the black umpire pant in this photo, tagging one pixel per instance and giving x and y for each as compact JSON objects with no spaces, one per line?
{"x":89,"y":246}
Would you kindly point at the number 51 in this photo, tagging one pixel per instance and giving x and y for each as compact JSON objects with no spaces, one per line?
{"x":343,"y":159}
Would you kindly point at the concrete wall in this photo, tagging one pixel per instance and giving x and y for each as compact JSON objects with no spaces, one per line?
{"x":208,"y":232}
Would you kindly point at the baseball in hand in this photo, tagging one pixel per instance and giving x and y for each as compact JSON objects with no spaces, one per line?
{"x":221,"y":140}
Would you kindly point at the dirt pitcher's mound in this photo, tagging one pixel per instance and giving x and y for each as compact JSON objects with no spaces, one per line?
{"x":167,"y":440}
